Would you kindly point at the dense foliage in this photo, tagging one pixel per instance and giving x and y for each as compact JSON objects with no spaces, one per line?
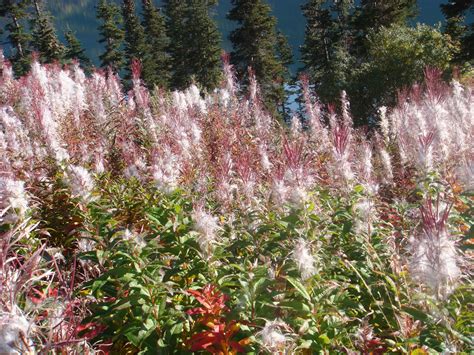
{"x":458,"y":27}
{"x":194,"y":45}
{"x":347,"y":46}
{"x":111,"y":35}
{"x":396,"y":58}
{"x":256,"y":48}
{"x":44,"y":38}
{"x":75,"y":51}
{"x":14,"y":14}
{"x":371,"y":50}
{"x":157,"y":69}
{"x":154,"y":222}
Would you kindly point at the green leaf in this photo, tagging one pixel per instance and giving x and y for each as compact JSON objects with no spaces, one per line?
{"x":299,"y":287}
{"x":177,"y":328}
{"x":132,"y":334}
{"x":258,"y":285}
{"x":416,"y":313}
{"x":162,"y":306}
{"x":306,"y":344}
{"x":100,"y":256}
{"x":324,"y":339}
{"x":124,"y":305}
{"x":358,"y":189}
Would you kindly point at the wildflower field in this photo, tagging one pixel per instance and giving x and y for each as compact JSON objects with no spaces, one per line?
{"x":157,"y":223}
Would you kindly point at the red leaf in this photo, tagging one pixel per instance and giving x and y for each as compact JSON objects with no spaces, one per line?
{"x":205,"y":340}
{"x":237,"y":347}
{"x":91,"y":330}
{"x":212,"y":300}
{"x":105,"y":349}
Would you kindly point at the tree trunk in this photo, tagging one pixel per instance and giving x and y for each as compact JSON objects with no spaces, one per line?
{"x":18,"y":44}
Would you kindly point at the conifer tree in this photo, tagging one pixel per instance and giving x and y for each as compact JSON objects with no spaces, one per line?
{"x":135,"y":45}
{"x":371,"y":15}
{"x":255,"y":45}
{"x":343,"y":11}
{"x":326,"y":49}
{"x":45,"y":40}
{"x":284,"y":51}
{"x":15,"y":13}
{"x":455,"y":12}
{"x":285,"y":55}
{"x":205,"y":43}
{"x":111,"y":34}
{"x":180,"y":52}
{"x":336,"y":54}
{"x":75,"y":51}
{"x":316,"y":50}
{"x":157,"y":70}
{"x":194,"y":43}
{"x":376,"y":13}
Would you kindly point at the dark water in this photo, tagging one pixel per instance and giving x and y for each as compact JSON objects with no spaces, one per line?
{"x":79,"y":15}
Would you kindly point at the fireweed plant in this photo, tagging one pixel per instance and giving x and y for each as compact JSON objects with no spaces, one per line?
{"x":156,"y":222}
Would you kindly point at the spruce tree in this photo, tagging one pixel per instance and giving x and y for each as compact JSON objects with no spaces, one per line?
{"x":45,"y":40}
{"x":180,"y":52}
{"x":15,"y":14}
{"x":285,"y":55}
{"x":194,"y":43}
{"x":135,"y":45}
{"x":316,"y":51}
{"x":157,"y":68}
{"x":343,"y":11}
{"x":375,"y":13}
{"x":205,"y":43}
{"x":111,"y":34}
{"x":75,"y":51}
{"x":284,"y":51}
{"x":326,"y":50}
{"x":255,"y":45}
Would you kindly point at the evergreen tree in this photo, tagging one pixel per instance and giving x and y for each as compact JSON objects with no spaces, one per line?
{"x":135,"y":45}
{"x":157,"y":69}
{"x":455,"y":12}
{"x":316,"y":51}
{"x":326,"y":48}
{"x":375,"y":13}
{"x":194,"y":43}
{"x":15,"y":13}
{"x":45,"y":40}
{"x":74,"y":51}
{"x":205,"y":43}
{"x":255,"y":44}
{"x":180,"y":52}
{"x":284,"y":51}
{"x":285,"y":55}
{"x":455,"y":28}
{"x":111,"y":34}
{"x":371,"y":15}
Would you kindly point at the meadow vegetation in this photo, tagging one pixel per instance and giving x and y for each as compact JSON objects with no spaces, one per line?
{"x":177,"y":222}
